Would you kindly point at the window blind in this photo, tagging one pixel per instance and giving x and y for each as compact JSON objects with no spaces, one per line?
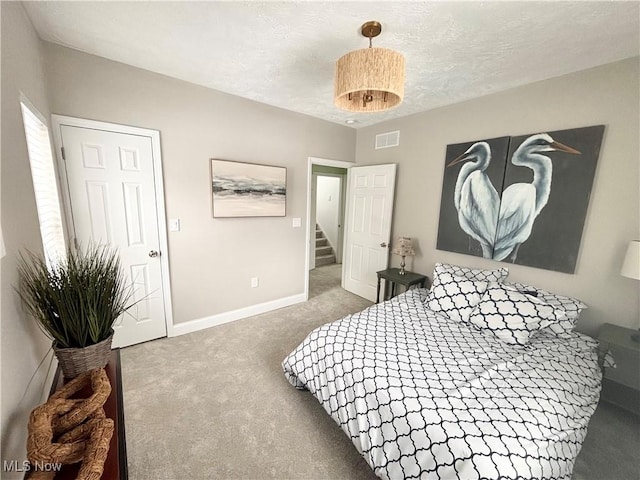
{"x":45,"y":185}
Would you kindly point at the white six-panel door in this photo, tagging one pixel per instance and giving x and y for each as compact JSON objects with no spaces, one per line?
{"x":370,"y":206}
{"x":112,"y":194}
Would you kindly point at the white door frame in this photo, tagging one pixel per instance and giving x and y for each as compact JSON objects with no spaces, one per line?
{"x":327,"y":163}
{"x":57,"y":121}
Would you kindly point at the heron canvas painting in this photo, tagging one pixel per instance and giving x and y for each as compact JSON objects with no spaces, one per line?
{"x":532,"y":212}
{"x":248,"y":190}
{"x":547,"y":186}
{"x":470,"y":202}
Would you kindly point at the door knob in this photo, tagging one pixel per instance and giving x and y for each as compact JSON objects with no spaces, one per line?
{"x":384,"y":244}
{"x":154,"y":253}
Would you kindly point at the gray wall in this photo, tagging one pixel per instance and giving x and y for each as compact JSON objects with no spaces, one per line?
{"x":605,"y":95}
{"x":23,"y":346}
{"x":211,"y":260}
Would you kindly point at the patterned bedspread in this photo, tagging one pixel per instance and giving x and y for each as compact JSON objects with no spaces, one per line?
{"x":422,"y":396}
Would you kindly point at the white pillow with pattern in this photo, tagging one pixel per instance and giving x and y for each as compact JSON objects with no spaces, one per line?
{"x":570,"y":306}
{"x":512,"y":316}
{"x":454,"y":296}
{"x":498,"y":275}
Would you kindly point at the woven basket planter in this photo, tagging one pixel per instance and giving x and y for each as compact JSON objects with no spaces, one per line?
{"x":75,"y":361}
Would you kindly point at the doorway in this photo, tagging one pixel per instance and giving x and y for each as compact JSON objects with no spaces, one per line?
{"x":113,"y":195}
{"x":369,"y":197}
{"x":329,"y":194}
{"x":329,"y":185}
{"x":326,"y":202}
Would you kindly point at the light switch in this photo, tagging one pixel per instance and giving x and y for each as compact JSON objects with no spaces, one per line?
{"x":297,"y":222}
{"x":174,"y":224}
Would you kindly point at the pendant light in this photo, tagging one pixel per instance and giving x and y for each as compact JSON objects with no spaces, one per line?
{"x":370,"y":79}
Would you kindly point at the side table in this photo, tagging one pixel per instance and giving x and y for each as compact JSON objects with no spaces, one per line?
{"x":621,"y":385}
{"x":392,"y":278}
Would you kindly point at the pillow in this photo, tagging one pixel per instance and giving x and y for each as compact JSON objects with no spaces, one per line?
{"x":512,"y":316}
{"x":498,"y":275}
{"x":418,"y":294}
{"x":455,"y":296}
{"x":570,"y":306}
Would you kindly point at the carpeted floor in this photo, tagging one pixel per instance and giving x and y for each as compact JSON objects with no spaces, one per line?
{"x":215,"y":405}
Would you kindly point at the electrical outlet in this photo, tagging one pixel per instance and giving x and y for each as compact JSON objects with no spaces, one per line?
{"x":297,"y":222}
{"x":254,"y":282}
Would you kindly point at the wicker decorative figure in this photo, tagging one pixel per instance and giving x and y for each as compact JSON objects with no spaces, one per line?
{"x":65,"y":430}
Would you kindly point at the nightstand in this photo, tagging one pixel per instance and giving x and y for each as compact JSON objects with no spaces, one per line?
{"x":621,"y":385}
{"x":392,"y":278}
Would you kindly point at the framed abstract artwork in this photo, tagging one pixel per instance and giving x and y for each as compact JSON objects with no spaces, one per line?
{"x":524,"y":201}
{"x":248,"y":190}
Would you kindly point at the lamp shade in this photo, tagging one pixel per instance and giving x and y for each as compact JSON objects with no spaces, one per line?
{"x":403,"y":247}
{"x":631,"y":265}
{"x":369,"y":80}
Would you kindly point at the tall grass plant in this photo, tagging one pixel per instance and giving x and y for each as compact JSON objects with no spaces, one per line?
{"x":77,"y":301}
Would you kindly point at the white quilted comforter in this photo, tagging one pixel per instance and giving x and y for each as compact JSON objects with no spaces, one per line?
{"x":422,"y":396}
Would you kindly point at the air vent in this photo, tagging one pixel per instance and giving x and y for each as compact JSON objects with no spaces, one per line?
{"x":387,"y":140}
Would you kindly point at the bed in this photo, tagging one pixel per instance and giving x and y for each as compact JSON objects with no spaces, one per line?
{"x":433,"y":385}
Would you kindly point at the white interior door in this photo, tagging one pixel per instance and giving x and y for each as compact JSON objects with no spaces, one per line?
{"x":112,"y":195}
{"x":370,"y":193}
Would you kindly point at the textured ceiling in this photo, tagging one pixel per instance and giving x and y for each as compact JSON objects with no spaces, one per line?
{"x":283,"y":53}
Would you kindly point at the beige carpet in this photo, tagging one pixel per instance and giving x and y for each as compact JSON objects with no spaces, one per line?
{"x":215,"y":405}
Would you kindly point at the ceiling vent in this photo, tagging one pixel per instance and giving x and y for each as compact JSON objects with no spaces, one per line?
{"x":387,"y":140}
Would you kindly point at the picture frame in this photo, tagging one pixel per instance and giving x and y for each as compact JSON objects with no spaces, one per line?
{"x":241,"y":189}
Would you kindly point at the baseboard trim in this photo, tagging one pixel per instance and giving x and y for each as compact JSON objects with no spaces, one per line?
{"x":226,"y":317}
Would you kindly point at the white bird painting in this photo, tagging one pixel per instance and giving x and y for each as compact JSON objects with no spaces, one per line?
{"x":522,"y":202}
{"x":475,"y":197}
{"x":503,"y":194}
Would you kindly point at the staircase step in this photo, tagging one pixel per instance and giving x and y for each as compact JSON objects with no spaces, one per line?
{"x":324,"y":250}
{"x":319,"y":234}
{"x":325,"y":260}
{"x":321,"y":242}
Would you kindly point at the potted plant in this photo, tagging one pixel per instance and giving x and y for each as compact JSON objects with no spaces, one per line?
{"x":76,"y":302}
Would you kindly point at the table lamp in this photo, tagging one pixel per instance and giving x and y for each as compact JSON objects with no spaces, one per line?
{"x":404,"y":248}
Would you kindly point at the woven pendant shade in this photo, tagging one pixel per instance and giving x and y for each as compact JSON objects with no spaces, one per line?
{"x":374,"y":72}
